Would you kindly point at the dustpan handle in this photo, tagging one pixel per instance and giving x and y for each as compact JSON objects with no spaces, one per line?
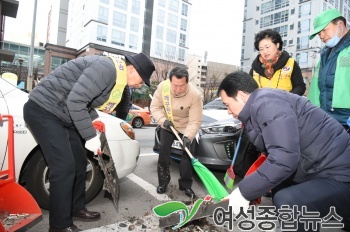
{"x":237,"y":147}
{"x":180,"y":140}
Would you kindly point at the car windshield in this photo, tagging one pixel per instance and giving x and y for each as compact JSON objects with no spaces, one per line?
{"x":216,"y":104}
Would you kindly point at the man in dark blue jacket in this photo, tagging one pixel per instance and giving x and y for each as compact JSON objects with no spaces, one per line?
{"x":308,"y":151}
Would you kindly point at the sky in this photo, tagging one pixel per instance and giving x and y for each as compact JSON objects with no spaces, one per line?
{"x":215,"y":27}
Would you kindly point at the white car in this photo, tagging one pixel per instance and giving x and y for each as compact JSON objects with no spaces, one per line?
{"x":30,"y":166}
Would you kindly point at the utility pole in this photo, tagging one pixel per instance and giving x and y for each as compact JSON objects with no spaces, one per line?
{"x":30,"y":70}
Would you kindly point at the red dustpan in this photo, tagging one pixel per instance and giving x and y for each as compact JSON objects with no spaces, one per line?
{"x":17,"y":206}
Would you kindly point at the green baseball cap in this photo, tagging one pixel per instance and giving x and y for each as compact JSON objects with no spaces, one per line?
{"x":323,"y":19}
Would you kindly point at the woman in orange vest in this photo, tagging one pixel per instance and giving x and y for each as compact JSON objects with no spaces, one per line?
{"x":274,"y":68}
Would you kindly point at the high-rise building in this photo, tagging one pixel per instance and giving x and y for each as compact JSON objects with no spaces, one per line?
{"x":158,"y":28}
{"x":293,"y":19}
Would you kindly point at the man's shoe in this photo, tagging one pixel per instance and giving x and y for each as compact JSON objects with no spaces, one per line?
{"x":72,"y":228}
{"x":86,"y":215}
{"x":188,"y":191}
{"x":161,"y":189}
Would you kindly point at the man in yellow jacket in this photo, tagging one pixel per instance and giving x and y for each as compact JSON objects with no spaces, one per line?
{"x":177,"y":103}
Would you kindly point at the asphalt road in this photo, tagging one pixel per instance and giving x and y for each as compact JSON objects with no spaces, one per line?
{"x":138,"y":197}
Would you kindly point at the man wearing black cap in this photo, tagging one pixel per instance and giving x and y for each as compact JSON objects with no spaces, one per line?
{"x":330,"y":88}
{"x":60,"y":111}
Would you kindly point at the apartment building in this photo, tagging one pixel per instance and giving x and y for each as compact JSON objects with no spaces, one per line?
{"x":158,"y":28}
{"x":293,"y":19}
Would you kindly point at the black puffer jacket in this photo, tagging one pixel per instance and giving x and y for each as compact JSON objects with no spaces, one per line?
{"x":74,"y":89}
{"x":302,"y":141}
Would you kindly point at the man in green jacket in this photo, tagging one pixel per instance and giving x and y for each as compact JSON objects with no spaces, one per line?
{"x":330,"y":88}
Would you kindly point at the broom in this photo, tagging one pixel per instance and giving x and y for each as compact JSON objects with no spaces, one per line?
{"x":229,"y":178}
{"x":211,"y":183}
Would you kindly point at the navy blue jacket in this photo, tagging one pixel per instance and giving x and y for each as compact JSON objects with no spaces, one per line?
{"x":302,"y":141}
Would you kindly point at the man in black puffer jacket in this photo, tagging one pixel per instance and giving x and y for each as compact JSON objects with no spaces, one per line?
{"x":308,"y":151}
{"x":60,"y":111}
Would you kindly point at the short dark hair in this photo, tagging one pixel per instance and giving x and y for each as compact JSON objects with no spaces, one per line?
{"x":341,"y":18}
{"x":237,"y":81}
{"x":268,"y":34}
{"x":179,"y":73}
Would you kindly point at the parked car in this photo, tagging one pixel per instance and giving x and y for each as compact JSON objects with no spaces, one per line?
{"x":217,"y":140}
{"x":30,"y":166}
{"x":138,"y":117}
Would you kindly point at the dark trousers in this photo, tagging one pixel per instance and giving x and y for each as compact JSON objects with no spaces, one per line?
{"x":66,"y":158}
{"x":317,"y":195}
{"x":166,"y":140}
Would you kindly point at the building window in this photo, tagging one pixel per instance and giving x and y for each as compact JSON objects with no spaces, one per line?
{"x":184,"y":10}
{"x":134,"y":24}
{"x":291,"y":27}
{"x":183,"y":26}
{"x":174,"y":5}
{"x":121,"y":4}
{"x":159,"y":32}
{"x":303,"y":42}
{"x":292,"y":11}
{"x":159,"y":49}
{"x":273,"y":5}
{"x":133,"y":42}
{"x":282,"y":30}
{"x":244,"y":26}
{"x":118,"y":38}
{"x":170,"y":52}
{"x":119,"y":19}
{"x":57,"y":61}
{"x":181,"y":54}
{"x":256,"y":22}
{"x":161,"y":16}
{"x":302,"y":59}
{"x":136,"y":7}
{"x":171,"y":36}
{"x":182,"y":40}
{"x":172,"y":20}
{"x":305,"y":9}
{"x":304,"y":26}
{"x":291,"y":42}
{"x":101,"y":33}
{"x":243,"y":41}
{"x":103,"y":14}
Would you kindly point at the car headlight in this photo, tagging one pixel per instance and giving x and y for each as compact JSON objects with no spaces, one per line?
{"x":128,"y":129}
{"x":224,"y":128}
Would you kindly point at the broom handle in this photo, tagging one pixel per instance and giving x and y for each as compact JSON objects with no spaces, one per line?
{"x":180,"y":140}
{"x":236,"y":150}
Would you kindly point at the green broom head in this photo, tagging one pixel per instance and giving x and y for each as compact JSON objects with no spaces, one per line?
{"x":229,"y":178}
{"x":211,"y":183}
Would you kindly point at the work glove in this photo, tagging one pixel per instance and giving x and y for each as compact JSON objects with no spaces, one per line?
{"x":93,"y":145}
{"x":237,"y":201}
{"x":167,"y":124}
{"x":186,"y":142}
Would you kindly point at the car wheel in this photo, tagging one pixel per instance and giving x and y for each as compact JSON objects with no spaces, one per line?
{"x":37,"y":181}
{"x":137,"y":122}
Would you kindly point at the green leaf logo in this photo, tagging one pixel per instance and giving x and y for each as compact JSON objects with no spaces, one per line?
{"x":171,"y":207}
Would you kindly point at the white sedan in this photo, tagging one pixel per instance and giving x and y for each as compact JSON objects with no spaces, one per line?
{"x":30,"y":166}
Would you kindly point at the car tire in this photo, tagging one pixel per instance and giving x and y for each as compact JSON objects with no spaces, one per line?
{"x":37,"y":182}
{"x":137,"y":122}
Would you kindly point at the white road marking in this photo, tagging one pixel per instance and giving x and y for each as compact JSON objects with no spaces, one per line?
{"x":148,"y":154}
{"x":151,"y":189}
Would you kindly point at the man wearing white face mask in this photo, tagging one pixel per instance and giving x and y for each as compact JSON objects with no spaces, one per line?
{"x":330,"y":88}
